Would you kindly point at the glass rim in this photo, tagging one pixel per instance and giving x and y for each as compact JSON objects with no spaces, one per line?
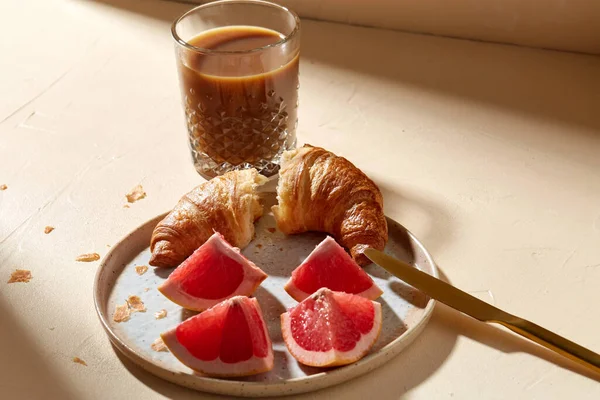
{"x":203,"y":50}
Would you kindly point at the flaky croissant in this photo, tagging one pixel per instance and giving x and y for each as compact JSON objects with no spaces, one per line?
{"x":319,"y":191}
{"x":228,"y":204}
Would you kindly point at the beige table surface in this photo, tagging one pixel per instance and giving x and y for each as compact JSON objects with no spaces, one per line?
{"x":488,"y":153}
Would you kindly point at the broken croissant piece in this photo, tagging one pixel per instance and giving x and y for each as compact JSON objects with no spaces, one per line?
{"x":228,"y":204}
{"x":319,"y":191}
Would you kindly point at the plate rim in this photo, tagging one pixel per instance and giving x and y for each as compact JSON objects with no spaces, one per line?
{"x":255,"y":389}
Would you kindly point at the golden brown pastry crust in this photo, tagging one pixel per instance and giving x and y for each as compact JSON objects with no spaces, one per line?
{"x":228,"y":204}
{"x":319,"y":191}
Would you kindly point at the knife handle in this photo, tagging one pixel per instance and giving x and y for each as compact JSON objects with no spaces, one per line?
{"x":552,"y":341}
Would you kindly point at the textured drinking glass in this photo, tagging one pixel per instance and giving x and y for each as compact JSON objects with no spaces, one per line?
{"x":240,"y":103}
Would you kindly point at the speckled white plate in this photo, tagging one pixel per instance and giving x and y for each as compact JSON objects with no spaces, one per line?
{"x":405,"y":310}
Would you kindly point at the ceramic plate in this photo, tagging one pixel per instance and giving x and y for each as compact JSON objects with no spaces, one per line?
{"x":405,"y":310}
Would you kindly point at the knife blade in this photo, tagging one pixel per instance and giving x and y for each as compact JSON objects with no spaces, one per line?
{"x":482,"y":311}
{"x":436,"y":288}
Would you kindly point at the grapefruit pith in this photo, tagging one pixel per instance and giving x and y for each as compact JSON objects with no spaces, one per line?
{"x":229,"y":339}
{"x":328,"y":265}
{"x":331,"y":328}
{"x":215,"y":272}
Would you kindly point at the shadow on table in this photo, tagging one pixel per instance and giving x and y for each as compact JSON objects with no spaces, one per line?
{"x":505,"y":341}
{"x":23,"y":370}
{"x":159,"y":385}
{"x":555,"y":89}
{"x":440,"y":226}
{"x":530,"y":81}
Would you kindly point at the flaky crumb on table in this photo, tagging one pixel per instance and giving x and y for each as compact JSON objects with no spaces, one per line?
{"x":3,"y":187}
{"x":79,"y":361}
{"x":48,"y":229}
{"x":137,"y":193}
{"x":122,"y":313}
{"x":159,"y":345}
{"x":20,"y":276}
{"x":146,"y":289}
{"x":141,"y":269}
{"x":136,"y":304}
{"x":88,"y":257}
{"x":160,"y":314}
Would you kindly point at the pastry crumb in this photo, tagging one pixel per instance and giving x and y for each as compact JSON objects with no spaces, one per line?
{"x":159,"y":345}
{"x":48,"y":229}
{"x":122,"y":313}
{"x":281,"y":249}
{"x":88,"y":257}
{"x":141,"y":269}
{"x":146,"y":289}
{"x":272,"y":230}
{"x":3,"y":187}
{"x":78,"y":360}
{"x":136,"y":304}
{"x":125,"y":205}
{"x":20,"y":276}
{"x":259,"y":246}
{"x":160,"y":314}
{"x":137,"y":193}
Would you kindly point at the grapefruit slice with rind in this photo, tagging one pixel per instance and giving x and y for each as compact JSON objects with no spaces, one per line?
{"x":229,"y":339}
{"x":331,"y":328}
{"x":330,"y":266}
{"x":215,"y":272}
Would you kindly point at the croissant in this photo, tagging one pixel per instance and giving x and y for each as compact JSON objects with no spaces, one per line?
{"x":319,"y":191}
{"x":228,"y":204}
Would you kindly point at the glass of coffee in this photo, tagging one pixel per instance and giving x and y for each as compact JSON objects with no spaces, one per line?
{"x":238,"y":71}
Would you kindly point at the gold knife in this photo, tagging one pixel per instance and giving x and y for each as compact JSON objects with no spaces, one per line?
{"x":483,"y":311}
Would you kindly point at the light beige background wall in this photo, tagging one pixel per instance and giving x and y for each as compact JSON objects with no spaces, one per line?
{"x":571,"y":25}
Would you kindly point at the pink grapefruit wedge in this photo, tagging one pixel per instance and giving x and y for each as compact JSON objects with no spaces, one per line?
{"x":330,"y":266}
{"x":331,"y":328}
{"x":215,"y":272}
{"x":229,"y":339}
